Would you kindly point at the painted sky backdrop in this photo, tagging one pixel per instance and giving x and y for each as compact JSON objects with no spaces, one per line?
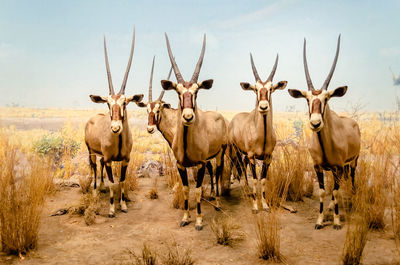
{"x":51,"y":52}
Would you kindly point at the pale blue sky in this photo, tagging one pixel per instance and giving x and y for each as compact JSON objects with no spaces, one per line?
{"x":51,"y":52}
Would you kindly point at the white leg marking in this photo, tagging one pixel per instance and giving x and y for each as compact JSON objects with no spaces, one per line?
{"x":122,"y":202}
{"x":255,"y":197}
{"x":264,"y":200}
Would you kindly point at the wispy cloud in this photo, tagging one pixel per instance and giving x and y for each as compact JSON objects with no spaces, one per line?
{"x":391,"y":51}
{"x":251,"y":17}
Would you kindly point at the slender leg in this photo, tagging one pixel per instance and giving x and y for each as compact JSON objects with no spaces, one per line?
{"x":122,"y":186}
{"x":246,"y":161}
{"x":353,"y":174}
{"x":199,"y":182}
{"x":255,"y":185}
{"x":264,"y":172}
{"x":111,"y":179}
{"x":320,"y":175}
{"x":185,"y":183}
{"x":92,"y":162}
{"x":218,"y":176}
{"x":210,"y":172}
{"x":102,"y":187}
{"x":337,"y":173}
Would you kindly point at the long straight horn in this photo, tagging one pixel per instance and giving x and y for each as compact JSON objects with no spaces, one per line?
{"x":309,"y":83}
{"x":328,"y":79}
{"x":196,"y":73}
{"x":163,"y":91}
{"x":128,"y":67}
{"x":254,"y":69}
{"x":110,"y":85}
{"x":271,"y":75}
{"x":151,"y":82}
{"x":178,"y":75}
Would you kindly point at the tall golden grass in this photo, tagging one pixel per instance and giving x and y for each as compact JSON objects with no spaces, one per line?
{"x":25,"y":179}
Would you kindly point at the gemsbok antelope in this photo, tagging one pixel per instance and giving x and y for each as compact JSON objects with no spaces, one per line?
{"x":252,"y":133}
{"x":200,"y":135}
{"x":108,"y":135}
{"x":335,"y":141}
{"x":163,"y":117}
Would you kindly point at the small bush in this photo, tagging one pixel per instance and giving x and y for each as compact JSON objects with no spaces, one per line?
{"x":176,"y":257}
{"x":55,"y":146}
{"x":84,"y":183}
{"x":268,"y":238}
{"x":147,"y":257}
{"x":88,"y":207}
{"x":226,"y":232}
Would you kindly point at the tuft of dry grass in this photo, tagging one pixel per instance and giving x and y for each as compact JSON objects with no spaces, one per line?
{"x":88,"y":207}
{"x":153,"y":194}
{"x":176,"y":256}
{"x":268,"y":238}
{"x":358,"y":225}
{"x":84,"y":183}
{"x":23,"y":186}
{"x":147,"y":256}
{"x":226,"y":231}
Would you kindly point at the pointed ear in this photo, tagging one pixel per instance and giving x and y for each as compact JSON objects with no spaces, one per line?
{"x":206,"y":84}
{"x":168,"y":85}
{"x":297,"y":93}
{"x":141,"y":104}
{"x":338,"y":92}
{"x":136,"y":98}
{"x":280,"y":85}
{"x":246,"y":86}
{"x":98,"y":99}
{"x":166,"y":105}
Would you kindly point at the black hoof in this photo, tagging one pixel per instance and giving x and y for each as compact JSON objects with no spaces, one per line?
{"x":111,"y":215}
{"x":318,"y":227}
{"x":254,"y":211}
{"x":199,"y":227}
{"x":217,"y":208}
{"x":124,"y":211}
{"x":337,"y":227}
{"x":211,"y":198}
{"x":184,"y":223}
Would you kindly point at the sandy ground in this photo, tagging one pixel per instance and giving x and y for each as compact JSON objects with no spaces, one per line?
{"x":68,"y":240}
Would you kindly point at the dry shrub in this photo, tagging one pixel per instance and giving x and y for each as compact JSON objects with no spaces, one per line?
{"x":84,"y":183}
{"x":178,"y":201}
{"x":226,"y":231}
{"x":225,"y":181}
{"x":147,"y":257}
{"x":153,"y":194}
{"x":171,"y":172}
{"x":88,"y":207}
{"x":396,"y":214}
{"x":173,"y":179}
{"x":175,"y":255}
{"x":268,"y":238}
{"x":131,"y":180}
{"x":287,"y":172}
{"x":357,"y":229}
{"x":22,"y":193}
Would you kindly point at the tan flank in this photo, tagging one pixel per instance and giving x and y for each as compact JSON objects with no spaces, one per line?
{"x":108,"y":135}
{"x":335,"y":142}
{"x":252,"y":134}
{"x":200,"y":135}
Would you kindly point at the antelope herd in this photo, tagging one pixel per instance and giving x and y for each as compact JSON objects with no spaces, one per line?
{"x":196,"y":136}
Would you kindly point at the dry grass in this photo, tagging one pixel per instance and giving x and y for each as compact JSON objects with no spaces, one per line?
{"x":268,"y":238}
{"x":358,"y":225}
{"x":88,"y":207}
{"x":177,"y":255}
{"x":153,"y":194}
{"x":226,"y":231}
{"x":173,"y":179}
{"x":22,"y":191}
{"x":85,"y":183}
{"x":146,"y":257}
